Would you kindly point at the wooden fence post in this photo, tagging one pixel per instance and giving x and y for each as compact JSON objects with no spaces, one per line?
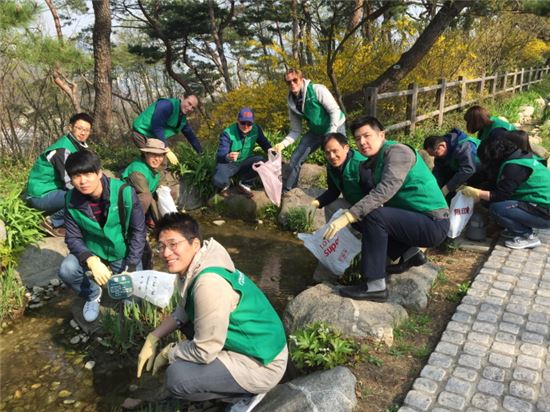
{"x":412,"y":100}
{"x":371,"y":94}
{"x":529,"y":77}
{"x":441,"y":100}
{"x":521,"y":79}
{"x":494,"y":87}
{"x":462,"y":81}
{"x":481,"y":86}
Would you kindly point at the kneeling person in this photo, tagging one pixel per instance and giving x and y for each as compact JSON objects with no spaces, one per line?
{"x":105,"y":230}
{"x":238,"y":348}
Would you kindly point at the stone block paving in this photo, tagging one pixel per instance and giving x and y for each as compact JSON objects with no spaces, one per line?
{"x":494,"y":354}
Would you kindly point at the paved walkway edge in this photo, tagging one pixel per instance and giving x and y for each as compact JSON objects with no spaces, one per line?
{"x":494,"y":354}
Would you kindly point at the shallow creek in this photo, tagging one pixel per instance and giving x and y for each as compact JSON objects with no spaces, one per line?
{"x":40,"y":370}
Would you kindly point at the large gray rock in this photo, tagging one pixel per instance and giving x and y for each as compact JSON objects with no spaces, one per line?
{"x":189,"y":196}
{"x":297,"y":198}
{"x":411,"y":289}
{"x":40,"y":263}
{"x":3,"y":234}
{"x":322,"y":303}
{"x":311,"y":175}
{"x":325,"y":391}
{"x":241,"y":207}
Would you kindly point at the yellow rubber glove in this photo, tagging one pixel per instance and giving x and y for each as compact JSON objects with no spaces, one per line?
{"x":469,"y":191}
{"x":338,"y":224}
{"x":315,"y":203}
{"x":279,"y":147}
{"x":148,"y":352}
{"x":100,"y":272}
{"x":445,"y":190}
{"x":172,"y":157}
{"x":162,"y":358}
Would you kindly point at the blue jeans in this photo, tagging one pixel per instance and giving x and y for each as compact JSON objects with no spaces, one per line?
{"x":517,"y":220}
{"x":309,"y":143}
{"x":225,"y":171}
{"x":53,"y":203}
{"x":389,"y":232}
{"x":74,"y":275}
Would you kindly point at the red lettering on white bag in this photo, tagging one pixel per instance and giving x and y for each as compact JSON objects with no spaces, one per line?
{"x":331,"y":248}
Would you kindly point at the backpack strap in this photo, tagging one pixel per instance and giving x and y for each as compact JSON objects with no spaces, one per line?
{"x":122,"y":211}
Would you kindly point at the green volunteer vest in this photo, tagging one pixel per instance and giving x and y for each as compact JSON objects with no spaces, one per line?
{"x":317,"y":117}
{"x":349,"y":182}
{"x":536,"y":189}
{"x":43,"y":178}
{"x":254,"y":329}
{"x":495,"y":124}
{"x":419,"y":192}
{"x":143,"y":123}
{"x":453,"y":164}
{"x":107,"y":242}
{"x":243,"y":146}
{"x":138,"y":165}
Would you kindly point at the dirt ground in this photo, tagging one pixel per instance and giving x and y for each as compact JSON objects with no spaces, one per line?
{"x":384,"y":383}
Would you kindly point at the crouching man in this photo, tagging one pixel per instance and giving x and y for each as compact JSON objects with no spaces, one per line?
{"x":105,"y":230}
{"x":237,"y":346}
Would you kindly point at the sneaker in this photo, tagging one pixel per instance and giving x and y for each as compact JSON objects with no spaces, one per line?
{"x":245,"y":190}
{"x":248,"y":404}
{"x":90,"y":311}
{"x":523,"y":242}
{"x":48,"y":227}
{"x":507,"y":234}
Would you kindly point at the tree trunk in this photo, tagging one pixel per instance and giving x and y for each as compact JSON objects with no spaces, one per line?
{"x":356,"y":15}
{"x":103,"y":104}
{"x":217,"y":34}
{"x":295,"y":30}
{"x":409,"y":59}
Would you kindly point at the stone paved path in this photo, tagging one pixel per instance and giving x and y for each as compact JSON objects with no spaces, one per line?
{"x":494,"y":354}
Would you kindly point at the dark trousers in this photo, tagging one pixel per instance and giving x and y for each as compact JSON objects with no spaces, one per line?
{"x":389,"y":232}
{"x":225,"y":171}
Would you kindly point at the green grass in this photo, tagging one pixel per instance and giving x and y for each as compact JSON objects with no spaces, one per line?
{"x":299,"y":219}
{"x":459,"y":292}
{"x":416,"y":324}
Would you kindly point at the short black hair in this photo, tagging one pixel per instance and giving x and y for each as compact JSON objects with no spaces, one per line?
{"x":495,"y":150}
{"x":182,"y":223}
{"x":364,"y":121}
{"x":83,"y":161}
{"x":81,"y":116}
{"x":431,"y":142}
{"x":520,"y":138}
{"x":339,"y":137}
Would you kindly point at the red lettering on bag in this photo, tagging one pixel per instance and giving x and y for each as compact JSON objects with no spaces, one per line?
{"x":331,"y":248}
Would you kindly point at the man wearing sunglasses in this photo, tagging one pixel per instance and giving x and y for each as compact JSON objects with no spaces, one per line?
{"x":235,"y":154}
{"x":317,"y":106}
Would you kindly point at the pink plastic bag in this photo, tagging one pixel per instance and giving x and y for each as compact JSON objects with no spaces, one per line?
{"x":270,"y":173}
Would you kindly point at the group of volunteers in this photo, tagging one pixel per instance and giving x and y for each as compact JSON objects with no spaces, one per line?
{"x":236,"y":346}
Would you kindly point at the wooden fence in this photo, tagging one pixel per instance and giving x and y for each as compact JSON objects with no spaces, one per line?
{"x":485,"y":87}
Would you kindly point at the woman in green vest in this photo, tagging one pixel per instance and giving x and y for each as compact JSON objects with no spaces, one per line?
{"x":144,"y":176}
{"x":237,"y":346}
{"x":343,"y":175}
{"x":520,"y":200}
{"x":235,"y":155}
{"x":478,"y":120}
{"x":405,"y":210}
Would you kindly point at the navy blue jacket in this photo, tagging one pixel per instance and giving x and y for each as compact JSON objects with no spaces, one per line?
{"x":162,"y":113}
{"x":74,"y":237}
{"x":459,"y":164}
{"x":224,"y":144}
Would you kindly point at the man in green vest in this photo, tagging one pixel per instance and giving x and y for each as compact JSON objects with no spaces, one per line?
{"x":315,"y":104}
{"x":48,"y":181}
{"x":405,"y":210}
{"x":144,"y":176}
{"x":343,"y":175}
{"x":164,"y":119}
{"x":105,"y":230}
{"x":235,"y":155}
{"x":236,"y":346}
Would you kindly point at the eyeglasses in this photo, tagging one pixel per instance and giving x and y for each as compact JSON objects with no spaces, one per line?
{"x":246,"y":124}
{"x":171,"y":245}
{"x":82,"y":129}
{"x":292,"y":81}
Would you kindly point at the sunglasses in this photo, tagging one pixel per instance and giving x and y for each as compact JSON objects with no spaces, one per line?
{"x":292,"y":81}
{"x":247,"y":124}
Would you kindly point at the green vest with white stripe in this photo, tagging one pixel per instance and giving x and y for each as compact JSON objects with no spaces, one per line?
{"x":138,"y":165}
{"x":245,"y":146}
{"x":144,"y":122}
{"x":317,"y":117}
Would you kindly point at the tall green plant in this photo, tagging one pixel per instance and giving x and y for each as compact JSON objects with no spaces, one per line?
{"x":197,"y":170}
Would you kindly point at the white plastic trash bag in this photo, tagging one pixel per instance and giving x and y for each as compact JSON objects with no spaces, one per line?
{"x":337,"y":253}
{"x":165,"y":201}
{"x":461,"y":209}
{"x":271,"y":175}
{"x":153,"y":286}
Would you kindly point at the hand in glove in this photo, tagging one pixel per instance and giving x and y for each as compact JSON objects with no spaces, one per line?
{"x":338,"y":224}
{"x":162,"y":358}
{"x":445,"y":190}
{"x":315,"y":203}
{"x":470,"y":191}
{"x":172,"y":157}
{"x":100,"y":272}
{"x":279,"y":147}
{"x":148,"y":352}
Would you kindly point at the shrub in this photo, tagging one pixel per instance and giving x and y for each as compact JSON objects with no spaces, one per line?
{"x":197,"y":170}
{"x":299,"y":219}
